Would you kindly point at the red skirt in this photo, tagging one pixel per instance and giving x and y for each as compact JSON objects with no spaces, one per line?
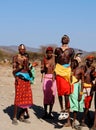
{"x":23,"y":93}
{"x":63,"y":86}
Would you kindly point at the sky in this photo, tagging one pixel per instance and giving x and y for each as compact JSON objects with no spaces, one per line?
{"x":37,"y":23}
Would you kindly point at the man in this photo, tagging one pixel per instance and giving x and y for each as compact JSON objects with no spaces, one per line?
{"x":87,"y":86}
{"x":63,"y":58}
{"x":49,"y":83}
{"x":76,"y":97}
{"x":23,"y":92}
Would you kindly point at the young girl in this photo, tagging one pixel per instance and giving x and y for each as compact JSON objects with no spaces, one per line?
{"x":49,"y":83}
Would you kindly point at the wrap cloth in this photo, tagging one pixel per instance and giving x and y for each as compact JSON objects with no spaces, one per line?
{"x":76,"y":105}
{"x":23,"y":93}
{"x":49,"y":89}
{"x":63,"y":79}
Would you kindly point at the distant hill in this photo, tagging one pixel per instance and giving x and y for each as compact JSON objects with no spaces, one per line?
{"x":14,"y":49}
{"x":7,"y":52}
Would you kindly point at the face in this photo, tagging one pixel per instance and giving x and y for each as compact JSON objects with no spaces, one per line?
{"x":22,"y":50}
{"x":74,"y":64}
{"x":49,"y":54}
{"x":89,"y":62}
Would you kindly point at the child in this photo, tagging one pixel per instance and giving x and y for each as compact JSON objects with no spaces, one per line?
{"x":49,"y":83}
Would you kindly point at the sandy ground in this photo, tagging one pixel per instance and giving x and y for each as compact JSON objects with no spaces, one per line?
{"x":36,"y":112}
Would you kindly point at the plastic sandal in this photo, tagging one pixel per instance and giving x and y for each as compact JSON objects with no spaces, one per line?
{"x":63,"y":115}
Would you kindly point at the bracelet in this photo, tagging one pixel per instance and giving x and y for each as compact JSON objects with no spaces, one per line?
{"x":81,"y":93}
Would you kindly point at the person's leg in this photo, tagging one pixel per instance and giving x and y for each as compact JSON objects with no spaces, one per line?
{"x":14,"y":121}
{"x":27,"y":113}
{"x":50,"y":108}
{"x":74,"y":118}
{"x":67,"y":102}
{"x":50,"y":111}
{"x":45,"y":108}
{"x":22,"y":117}
{"x":45,"y":111}
{"x":74,"y":115}
{"x":67,"y":109}
{"x":61,"y":116}
{"x":15,"y":112}
{"x":22,"y":112}
{"x":84,"y":116}
{"x":61,"y":102}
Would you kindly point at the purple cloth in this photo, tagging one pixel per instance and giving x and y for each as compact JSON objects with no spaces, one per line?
{"x":49,"y":89}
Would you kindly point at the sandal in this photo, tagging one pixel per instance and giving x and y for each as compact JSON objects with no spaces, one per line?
{"x":63,"y":115}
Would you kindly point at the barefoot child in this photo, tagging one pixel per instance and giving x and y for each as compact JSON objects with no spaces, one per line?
{"x":49,"y":83}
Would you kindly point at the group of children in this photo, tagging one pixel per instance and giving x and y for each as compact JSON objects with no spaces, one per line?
{"x":63,"y":72}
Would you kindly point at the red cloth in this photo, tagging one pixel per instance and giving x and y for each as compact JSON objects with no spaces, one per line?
{"x":23,"y":93}
{"x":63,"y":86}
{"x":87,"y":101}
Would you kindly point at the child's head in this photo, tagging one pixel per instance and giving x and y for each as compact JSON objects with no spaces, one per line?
{"x":49,"y":52}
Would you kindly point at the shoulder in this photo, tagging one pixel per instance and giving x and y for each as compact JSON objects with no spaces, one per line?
{"x":58,"y":50}
{"x":44,"y":59}
{"x":70,"y":52}
{"x":15,"y":56}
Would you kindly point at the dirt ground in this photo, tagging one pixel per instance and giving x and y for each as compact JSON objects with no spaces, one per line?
{"x":36,"y":111}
